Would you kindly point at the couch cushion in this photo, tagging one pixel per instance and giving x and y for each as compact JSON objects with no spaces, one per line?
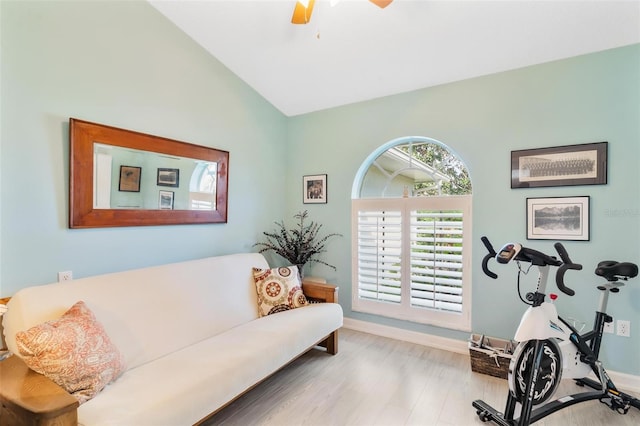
{"x":73,"y":351}
{"x":185,"y":386}
{"x":153,"y":311}
{"x":279,"y":289}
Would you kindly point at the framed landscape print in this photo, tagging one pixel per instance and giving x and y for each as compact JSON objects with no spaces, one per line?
{"x":168,"y":177}
{"x":584,"y":164}
{"x":558,"y":218}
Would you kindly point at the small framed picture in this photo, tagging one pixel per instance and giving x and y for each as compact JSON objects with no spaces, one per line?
{"x":584,"y":164}
{"x":169,"y":177}
{"x":165,"y":200}
{"x":558,"y":218}
{"x":130,"y":179}
{"x":314,"y":189}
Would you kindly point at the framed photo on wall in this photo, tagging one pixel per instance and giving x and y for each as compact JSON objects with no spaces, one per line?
{"x":584,"y":164}
{"x":165,"y":200}
{"x":314,"y":189}
{"x":168,"y":177}
{"x":558,"y":218}
{"x":130,"y":179}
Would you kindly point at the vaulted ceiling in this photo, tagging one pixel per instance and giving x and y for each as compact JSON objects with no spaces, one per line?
{"x":355,"y":51}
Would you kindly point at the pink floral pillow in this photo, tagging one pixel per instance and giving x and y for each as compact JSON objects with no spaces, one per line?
{"x":279,"y":289}
{"x":74,"y":351}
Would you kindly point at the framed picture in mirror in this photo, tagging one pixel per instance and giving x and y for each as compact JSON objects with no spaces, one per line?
{"x":130,"y":179}
{"x":165,"y":200}
{"x":168,"y":177}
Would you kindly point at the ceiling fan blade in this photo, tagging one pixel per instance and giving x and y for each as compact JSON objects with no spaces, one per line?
{"x":381,"y":3}
{"x":302,"y":14}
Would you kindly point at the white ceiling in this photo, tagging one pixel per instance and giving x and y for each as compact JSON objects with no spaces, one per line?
{"x":355,"y":51}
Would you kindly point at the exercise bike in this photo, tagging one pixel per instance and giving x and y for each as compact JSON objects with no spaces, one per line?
{"x":550,"y":348}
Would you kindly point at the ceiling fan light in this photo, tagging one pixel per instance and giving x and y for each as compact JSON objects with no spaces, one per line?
{"x":381,"y":3}
{"x":302,"y":13}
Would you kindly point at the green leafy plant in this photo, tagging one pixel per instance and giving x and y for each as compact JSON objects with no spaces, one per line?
{"x":300,"y":244}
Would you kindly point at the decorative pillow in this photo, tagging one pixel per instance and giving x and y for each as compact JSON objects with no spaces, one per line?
{"x":279,"y":289}
{"x":74,"y":351}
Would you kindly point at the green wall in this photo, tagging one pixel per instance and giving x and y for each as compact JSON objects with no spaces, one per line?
{"x":585,"y":99}
{"x":125,"y":65}
{"x":122,"y":64}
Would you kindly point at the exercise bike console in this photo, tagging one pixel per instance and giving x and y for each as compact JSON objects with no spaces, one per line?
{"x":508,"y":252}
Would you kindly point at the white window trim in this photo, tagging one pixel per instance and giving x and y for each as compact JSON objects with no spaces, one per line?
{"x":457,"y":321}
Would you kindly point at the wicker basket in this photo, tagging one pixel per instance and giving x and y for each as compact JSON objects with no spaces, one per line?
{"x":494,"y":362}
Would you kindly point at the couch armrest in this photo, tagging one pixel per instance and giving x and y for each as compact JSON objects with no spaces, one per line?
{"x":320,"y":292}
{"x":29,"y":398}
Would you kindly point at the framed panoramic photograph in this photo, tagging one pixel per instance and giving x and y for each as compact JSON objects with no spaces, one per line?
{"x":129,"y":179}
{"x":314,"y":189}
{"x":558,"y":218}
{"x":169,"y":177}
{"x":584,"y":164}
{"x":165,"y":200}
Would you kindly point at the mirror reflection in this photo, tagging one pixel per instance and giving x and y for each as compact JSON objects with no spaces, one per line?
{"x":126,"y":178}
{"x":121,"y":177}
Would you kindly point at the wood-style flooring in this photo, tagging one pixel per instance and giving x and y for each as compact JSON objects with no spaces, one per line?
{"x":378,"y":381}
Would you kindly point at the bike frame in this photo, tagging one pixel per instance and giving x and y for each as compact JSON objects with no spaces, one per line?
{"x":540,"y":323}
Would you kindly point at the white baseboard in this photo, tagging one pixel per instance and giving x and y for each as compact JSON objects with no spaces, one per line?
{"x":623,"y":381}
{"x":451,"y":345}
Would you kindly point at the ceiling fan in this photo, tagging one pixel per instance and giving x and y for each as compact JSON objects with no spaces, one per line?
{"x":303,"y":9}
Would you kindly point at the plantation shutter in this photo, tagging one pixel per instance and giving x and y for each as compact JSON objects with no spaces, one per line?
{"x":379,"y":255}
{"x":410,"y":258}
{"x":436,"y":259}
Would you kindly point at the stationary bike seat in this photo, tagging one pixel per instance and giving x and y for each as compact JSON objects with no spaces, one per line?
{"x":612,"y":270}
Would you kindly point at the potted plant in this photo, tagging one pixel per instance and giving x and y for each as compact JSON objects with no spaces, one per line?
{"x":300,"y":244}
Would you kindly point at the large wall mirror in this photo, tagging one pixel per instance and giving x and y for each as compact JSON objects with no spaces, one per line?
{"x":124,"y":178}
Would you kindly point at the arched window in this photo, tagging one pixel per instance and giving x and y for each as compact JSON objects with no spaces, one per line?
{"x":412,"y":234}
{"x":202,"y":186}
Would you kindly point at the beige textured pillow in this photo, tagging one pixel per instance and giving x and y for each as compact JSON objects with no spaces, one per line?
{"x":279,"y":289}
{"x":74,"y":351}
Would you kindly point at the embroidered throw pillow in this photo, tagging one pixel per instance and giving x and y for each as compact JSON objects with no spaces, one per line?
{"x":279,"y":289}
{"x":74,"y":351}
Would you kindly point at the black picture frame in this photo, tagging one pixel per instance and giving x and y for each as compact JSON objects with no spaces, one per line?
{"x":165,"y":200}
{"x":129,"y":179}
{"x":558,"y":218}
{"x":168,"y":177}
{"x":584,"y":164}
{"x":314,"y":189}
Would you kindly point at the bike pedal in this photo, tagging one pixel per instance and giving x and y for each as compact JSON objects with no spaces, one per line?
{"x":606,"y":400}
{"x":619,"y":406}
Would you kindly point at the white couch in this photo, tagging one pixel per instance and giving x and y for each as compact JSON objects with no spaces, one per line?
{"x":190,"y":334}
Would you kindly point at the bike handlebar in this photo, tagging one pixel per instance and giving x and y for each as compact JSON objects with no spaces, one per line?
{"x":492,"y":253}
{"x":567,"y":264}
{"x":538,"y":258}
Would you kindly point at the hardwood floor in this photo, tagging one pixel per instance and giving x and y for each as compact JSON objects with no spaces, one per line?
{"x":378,"y":381}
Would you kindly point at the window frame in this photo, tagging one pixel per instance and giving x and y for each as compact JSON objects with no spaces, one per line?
{"x":404,"y":310}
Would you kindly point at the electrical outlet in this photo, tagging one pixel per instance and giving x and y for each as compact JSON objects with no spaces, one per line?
{"x":624,"y":328}
{"x":65,"y":276}
{"x":609,"y":326}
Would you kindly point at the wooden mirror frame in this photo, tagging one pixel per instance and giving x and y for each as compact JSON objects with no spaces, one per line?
{"x":82,"y":214}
